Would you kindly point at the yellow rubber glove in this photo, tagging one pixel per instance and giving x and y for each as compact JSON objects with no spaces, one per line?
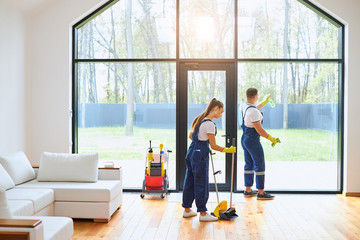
{"x":231,"y":149}
{"x":266,"y":100}
{"x":273,"y":140}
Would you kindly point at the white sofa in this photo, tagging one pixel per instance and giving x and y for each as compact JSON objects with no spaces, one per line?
{"x":30,"y":195}
{"x":98,"y":200}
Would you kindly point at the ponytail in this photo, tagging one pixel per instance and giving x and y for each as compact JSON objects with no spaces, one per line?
{"x":213,"y":103}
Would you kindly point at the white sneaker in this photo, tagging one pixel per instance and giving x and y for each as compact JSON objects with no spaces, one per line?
{"x":207,"y":218}
{"x":189,"y":214}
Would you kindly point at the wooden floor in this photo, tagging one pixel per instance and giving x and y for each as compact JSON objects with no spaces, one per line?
{"x":287,"y":217}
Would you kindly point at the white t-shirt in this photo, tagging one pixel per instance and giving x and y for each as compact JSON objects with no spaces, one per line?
{"x":252,"y":115}
{"x":205,"y":128}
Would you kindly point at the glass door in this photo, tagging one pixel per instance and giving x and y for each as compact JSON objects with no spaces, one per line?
{"x":200,"y":82}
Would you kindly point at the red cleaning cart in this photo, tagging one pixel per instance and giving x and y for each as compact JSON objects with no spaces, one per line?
{"x":156,"y":179}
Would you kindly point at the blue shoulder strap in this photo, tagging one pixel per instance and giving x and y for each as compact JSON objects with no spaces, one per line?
{"x":196,"y":132}
{"x":205,"y":120}
{"x":243,"y":115}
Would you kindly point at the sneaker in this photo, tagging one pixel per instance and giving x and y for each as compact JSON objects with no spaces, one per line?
{"x":189,"y":214}
{"x":207,"y":218}
{"x":265,"y":196}
{"x":250,"y":194}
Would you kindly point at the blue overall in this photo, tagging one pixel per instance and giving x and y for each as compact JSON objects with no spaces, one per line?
{"x":196,"y":182}
{"x":254,"y":156}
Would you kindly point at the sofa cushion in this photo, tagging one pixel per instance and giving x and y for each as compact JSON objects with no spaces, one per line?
{"x":100,"y":191}
{"x":18,"y":167}
{"x":63,"y":167}
{"x":5,"y":180}
{"x":39,"y":197}
{"x":21,"y":207}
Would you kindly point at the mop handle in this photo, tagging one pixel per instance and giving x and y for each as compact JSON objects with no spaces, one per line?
{"x":232,"y":173}
{"x":212,"y":163}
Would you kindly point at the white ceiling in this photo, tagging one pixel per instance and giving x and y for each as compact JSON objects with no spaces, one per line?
{"x":26,"y":5}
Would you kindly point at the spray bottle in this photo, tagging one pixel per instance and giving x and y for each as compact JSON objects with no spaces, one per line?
{"x":162,"y":162}
{"x":150,"y":158}
{"x":271,"y":103}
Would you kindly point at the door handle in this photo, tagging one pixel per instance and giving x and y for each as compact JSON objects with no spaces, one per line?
{"x":227,"y":138}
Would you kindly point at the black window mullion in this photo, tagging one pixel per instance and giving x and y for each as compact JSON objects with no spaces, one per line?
{"x":74,"y":110}
{"x":181,"y":122}
{"x":338,"y":60}
{"x":341,"y":100}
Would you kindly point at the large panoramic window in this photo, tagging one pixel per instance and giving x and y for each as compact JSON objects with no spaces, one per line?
{"x":305,"y":118}
{"x":130,"y":29}
{"x":122,"y":106}
{"x":284,"y":29}
{"x":119,"y":114}
{"x":141,"y":67}
{"x":207,"y":29}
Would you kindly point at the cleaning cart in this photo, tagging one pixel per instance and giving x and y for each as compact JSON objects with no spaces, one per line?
{"x":156,"y":178}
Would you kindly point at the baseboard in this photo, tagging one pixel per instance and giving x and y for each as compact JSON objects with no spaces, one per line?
{"x":352,"y":194}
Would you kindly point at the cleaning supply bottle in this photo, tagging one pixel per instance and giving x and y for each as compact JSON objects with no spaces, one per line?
{"x":150,"y":159}
{"x":162,"y":161}
{"x":271,"y":103}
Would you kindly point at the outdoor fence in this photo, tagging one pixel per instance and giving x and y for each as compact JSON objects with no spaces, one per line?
{"x":322,"y":116}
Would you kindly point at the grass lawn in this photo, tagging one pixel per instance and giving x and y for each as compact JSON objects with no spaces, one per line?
{"x":296,"y":144}
{"x":301,"y":145}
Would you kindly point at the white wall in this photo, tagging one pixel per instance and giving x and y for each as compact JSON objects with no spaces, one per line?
{"x":48,"y":75}
{"x":12,"y":83}
{"x":48,"y":80}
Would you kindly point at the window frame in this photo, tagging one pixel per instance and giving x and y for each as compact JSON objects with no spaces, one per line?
{"x":177,"y":60}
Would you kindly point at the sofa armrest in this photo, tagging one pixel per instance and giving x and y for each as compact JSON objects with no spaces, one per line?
{"x":21,"y":223}
{"x":110,"y":173}
{"x":21,"y":229}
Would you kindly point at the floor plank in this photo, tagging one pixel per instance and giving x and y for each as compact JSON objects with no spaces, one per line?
{"x":286,"y":217}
